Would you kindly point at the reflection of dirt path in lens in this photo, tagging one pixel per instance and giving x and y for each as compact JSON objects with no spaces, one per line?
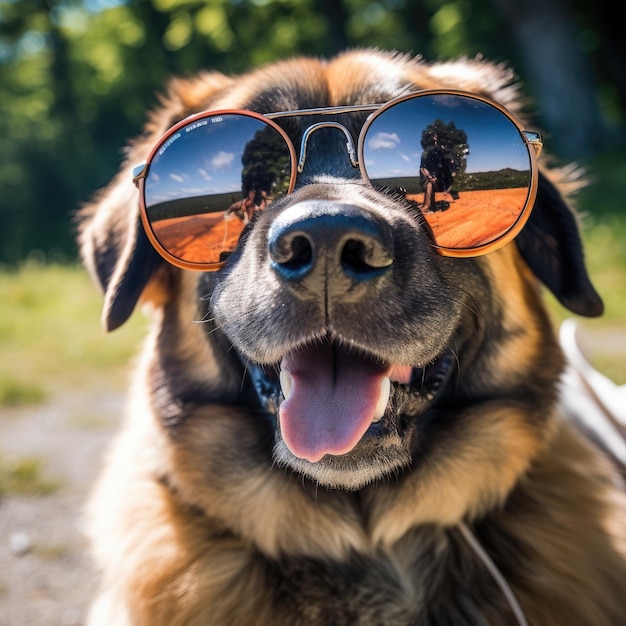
{"x":477,"y":217}
{"x":199,"y":238}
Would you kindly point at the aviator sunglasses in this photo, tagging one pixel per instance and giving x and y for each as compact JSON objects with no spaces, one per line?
{"x":465,"y":162}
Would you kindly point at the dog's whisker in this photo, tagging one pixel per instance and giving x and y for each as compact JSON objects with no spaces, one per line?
{"x":470,"y":303}
{"x":207,"y":318}
{"x":244,"y":373}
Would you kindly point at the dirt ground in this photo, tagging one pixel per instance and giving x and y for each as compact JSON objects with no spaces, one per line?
{"x":46,"y":577}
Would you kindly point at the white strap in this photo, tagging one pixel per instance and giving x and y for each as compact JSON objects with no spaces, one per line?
{"x":495,"y":572}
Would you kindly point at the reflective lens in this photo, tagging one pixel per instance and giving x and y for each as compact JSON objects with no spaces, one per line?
{"x":206,"y":179}
{"x":464,"y":162}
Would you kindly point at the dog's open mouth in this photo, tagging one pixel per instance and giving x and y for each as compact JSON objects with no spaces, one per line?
{"x":334,"y":397}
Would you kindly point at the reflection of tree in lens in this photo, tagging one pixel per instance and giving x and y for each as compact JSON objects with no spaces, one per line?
{"x":455,"y":148}
{"x":266,"y":164}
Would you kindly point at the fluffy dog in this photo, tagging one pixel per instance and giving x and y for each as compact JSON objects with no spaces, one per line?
{"x":469,"y":499}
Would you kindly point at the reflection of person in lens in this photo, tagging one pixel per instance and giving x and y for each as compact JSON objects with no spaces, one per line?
{"x":265,"y":173}
{"x":436,"y":173}
{"x":253,"y":201}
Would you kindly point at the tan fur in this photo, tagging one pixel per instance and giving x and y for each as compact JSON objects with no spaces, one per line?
{"x":519,"y":293}
{"x":194,"y":524}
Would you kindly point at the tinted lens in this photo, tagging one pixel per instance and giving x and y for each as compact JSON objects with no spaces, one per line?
{"x":207,"y":178}
{"x":461,"y":160}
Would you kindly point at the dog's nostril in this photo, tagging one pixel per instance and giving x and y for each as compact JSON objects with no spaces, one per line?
{"x":301,"y":251}
{"x":364,"y":255}
{"x":292,"y":250}
{"x":312,"y":243}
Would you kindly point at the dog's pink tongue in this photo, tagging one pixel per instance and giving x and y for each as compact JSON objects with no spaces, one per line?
{"x":331,"y":403}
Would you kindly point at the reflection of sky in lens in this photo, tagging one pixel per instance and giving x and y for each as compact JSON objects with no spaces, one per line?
{"x":392,"y":146}
{"x":202,"y":158}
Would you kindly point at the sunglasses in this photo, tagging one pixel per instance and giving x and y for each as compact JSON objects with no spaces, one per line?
{"x":463,"y":161}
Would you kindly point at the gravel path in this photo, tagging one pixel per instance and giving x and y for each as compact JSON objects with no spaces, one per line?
{"x":46,"y":578}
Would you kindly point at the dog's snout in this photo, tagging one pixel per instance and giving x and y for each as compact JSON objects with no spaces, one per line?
{"x":326,"y":241}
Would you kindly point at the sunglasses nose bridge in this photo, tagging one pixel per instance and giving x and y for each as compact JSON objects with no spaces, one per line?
{"x":315,"y":127}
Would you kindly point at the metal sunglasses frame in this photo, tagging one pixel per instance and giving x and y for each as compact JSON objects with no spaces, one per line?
{"x":532,"y":140}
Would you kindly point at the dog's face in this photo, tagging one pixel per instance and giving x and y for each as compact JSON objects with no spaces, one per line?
{"x":351,"y":350}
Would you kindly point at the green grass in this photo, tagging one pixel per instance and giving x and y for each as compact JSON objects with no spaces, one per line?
{"x":25,"y":476}
{"x":602,"y":205}
{"x":51,"y":552}
{"x":605,"y":239}
{"x":51,"y":337}
{"x":604,"y":338}
{"x":14,"y":392}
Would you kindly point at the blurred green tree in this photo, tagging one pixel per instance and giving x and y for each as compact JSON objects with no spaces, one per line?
{"x":76,"y":76}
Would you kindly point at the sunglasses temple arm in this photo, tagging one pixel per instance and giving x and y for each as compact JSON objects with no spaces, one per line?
{"x":139,"y":172}
{"x":535,"y":140}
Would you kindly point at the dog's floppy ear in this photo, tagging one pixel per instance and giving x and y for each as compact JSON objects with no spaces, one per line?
{"x":113,"y":244}
{"x":550,"y":244}
{"x":116,"y":250}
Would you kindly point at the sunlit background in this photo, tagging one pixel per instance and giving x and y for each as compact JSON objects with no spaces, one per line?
{"x":76,"y":80}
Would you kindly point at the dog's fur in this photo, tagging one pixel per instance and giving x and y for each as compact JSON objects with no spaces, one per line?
{"x":204,"y":516}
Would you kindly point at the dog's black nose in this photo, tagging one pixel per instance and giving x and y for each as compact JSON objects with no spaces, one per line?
{"x":322,"y":243}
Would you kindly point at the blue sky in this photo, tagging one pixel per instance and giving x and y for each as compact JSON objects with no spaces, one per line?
{"x":204,"y":156}
{"x":392,"y":146}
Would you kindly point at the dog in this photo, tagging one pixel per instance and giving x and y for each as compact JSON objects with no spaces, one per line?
{"x":416,"y":466}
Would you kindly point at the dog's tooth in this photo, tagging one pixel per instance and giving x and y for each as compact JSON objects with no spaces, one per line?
{"x":285,"y":383}
{"x":381,"y":406}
